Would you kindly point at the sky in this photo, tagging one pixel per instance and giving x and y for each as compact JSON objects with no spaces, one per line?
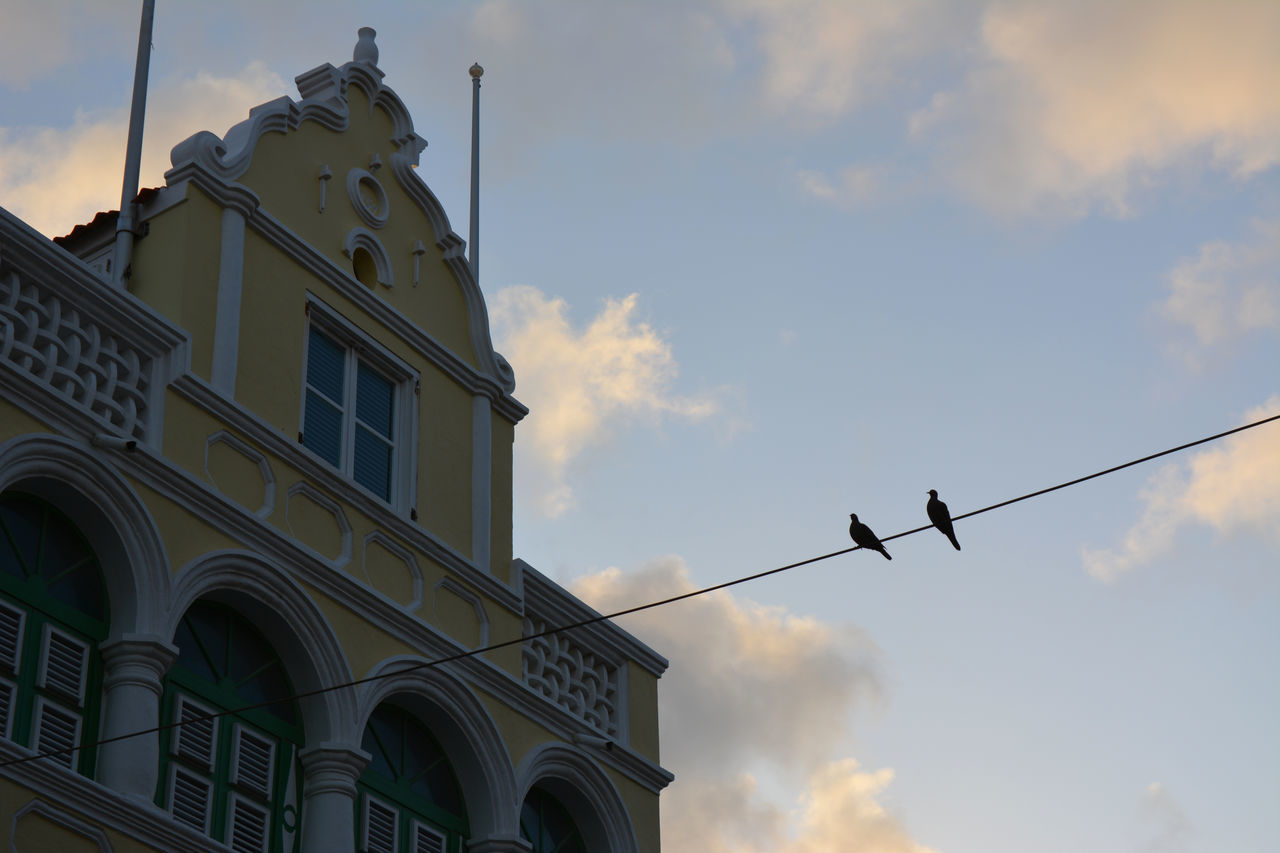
{"x":759,"y":264}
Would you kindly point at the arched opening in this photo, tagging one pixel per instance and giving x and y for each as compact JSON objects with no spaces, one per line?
{"x":364,"y":267}
{"x":547,"y":825}
{"x":231,"y":774}
{"x":53,"y":616}
{"x":409,"y":797}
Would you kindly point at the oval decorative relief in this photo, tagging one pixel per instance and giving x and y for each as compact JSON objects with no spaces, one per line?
{"x":368,"y":197}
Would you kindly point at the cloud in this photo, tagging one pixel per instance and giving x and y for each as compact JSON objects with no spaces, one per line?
{"x":1074,"y":106}
{"x":56,"y":178}
{"x":851,"y":186}
{"x":1233,"y":487}
{"x":581,"y":385}
{"x":39,"y":37}
{"x":820,"y":58}
{"x":1171,"y":829}
{"x":1227,"y":291}
{"x":754,"y":688}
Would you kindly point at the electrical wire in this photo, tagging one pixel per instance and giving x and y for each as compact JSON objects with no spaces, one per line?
{"x":625,"y":612}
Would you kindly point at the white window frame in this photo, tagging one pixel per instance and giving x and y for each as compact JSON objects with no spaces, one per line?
{"x":42,"y":680}
{"x":68,"y":759}
{"x":360,"y":347}
{"x":364,"y":829}
{"x":21,"y":633}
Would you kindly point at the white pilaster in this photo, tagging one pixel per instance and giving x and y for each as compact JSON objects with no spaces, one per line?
{"x":329,"y":774}
{"x":226,"y":330}
{"x":134,"y":668}
{"x":481,"y":479}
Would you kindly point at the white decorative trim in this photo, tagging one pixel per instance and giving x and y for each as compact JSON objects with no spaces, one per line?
{"x":374,"y":214}
{"x":555,"y":605}
{"x":248,"y":452}
{"x":290,"y":621}
{"x":206,"y":159}
{"x":396,"y":549}
{"x":362,"y":238}
{"x":585,"y":791}
{"x":323,"y":174}
{"x":571,"y":676}
{"x":320,"y":499}
{"x":57,"y":816}
{"x":313,"y":468}
{"x":142,"y":551}
{"x":482,"y":618}
{"x":91,"y":801}
{"x":226,"y":327}
{"x":108,"y":512}
{"x":481,"y":480}
{"x":465,"y":729}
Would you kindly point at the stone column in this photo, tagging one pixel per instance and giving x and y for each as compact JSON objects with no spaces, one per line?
{"x":329,"y":774}
{"x":134,"y":668}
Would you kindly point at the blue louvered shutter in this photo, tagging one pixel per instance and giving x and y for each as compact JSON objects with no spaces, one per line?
{"x":326,"y":376}
{"x":375,"y":419}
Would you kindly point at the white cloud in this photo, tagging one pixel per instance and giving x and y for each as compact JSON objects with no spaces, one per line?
{"x":56,"y":178}
{"x":1170,"y":830}
{"x":756,"y":688}
{"x":1233,"y":487}
{"x":581,"y":385}
{"x":820,"y":58}
{"x":851,"y":186}
{"x":1227,"y":291}
{"x":1074,"y":105}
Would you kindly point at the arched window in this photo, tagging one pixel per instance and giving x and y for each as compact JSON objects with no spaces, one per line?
{"x":53,"y":615}
{"x":547,"y":825}
{"x":233,"y":777}
{"x":410,"y":801}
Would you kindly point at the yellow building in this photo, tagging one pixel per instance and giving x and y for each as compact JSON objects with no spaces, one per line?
{"x":277,"y":462}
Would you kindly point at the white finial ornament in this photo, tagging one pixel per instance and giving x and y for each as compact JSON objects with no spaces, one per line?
{"x":366,"y":50}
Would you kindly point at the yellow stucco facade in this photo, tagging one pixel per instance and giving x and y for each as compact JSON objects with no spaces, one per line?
{"x":289,"y":437}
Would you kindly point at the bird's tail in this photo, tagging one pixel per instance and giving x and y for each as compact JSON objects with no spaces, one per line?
{"x":886,"y":553}
{"x":954,"y":542}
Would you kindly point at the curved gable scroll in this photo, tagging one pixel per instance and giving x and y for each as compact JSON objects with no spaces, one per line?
{"x":215,"y":165}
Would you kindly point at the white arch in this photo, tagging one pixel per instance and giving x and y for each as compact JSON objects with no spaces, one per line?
{"x":290,"y":621}
{"x":363,"y":238}
{"x":465,"y":730}
{"x":582,"y":787}
{"x":73,"y":477}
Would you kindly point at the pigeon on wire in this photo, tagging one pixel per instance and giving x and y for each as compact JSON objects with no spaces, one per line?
{"x":941,"y":517}
{"x":864,"y":538}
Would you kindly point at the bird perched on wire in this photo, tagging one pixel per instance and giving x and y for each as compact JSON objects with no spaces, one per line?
{"x":941,"y":517}
{"x":864,"y":538}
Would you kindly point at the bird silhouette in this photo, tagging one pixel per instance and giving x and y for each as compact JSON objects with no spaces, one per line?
{"x":864,"y":538}
{"x":941,"y":517}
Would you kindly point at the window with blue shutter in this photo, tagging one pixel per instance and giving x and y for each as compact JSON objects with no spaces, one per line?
{"x":351,"y":416}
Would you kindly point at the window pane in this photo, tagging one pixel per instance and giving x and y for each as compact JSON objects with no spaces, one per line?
{"x":325,"y":366}
{"x":322,"y":428}
{"x":373,"y":463}
{"x":374,"y":400}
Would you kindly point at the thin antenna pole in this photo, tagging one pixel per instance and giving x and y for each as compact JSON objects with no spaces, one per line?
{"x":133,"y":151}
{"x":473,"y":242}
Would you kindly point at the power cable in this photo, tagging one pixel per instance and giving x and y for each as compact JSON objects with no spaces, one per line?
{"x":626,"y":612}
